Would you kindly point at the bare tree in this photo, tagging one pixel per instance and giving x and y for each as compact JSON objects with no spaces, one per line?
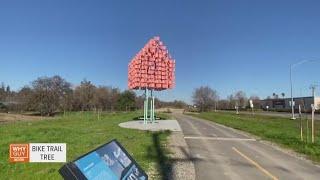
{"x":224,"y":104}
{"x":48,"y":93}
{"x":232,"y":102}
{"x":84,"y":95}
{"x":256,"y":101}
{"x":113,"y":98}
{"x":101,"y":97}
{"x":67,"y":101}
{"x":26,"y":100}
{"x":241,"y":98}
{"x":2,"y":92}
{"x":204,"y":98}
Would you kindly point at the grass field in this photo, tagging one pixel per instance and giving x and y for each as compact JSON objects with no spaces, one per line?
{"x":82,"y":132}
{"x":282,"y":131}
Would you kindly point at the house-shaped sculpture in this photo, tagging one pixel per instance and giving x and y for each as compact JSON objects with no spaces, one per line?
{"x":152,"y":69}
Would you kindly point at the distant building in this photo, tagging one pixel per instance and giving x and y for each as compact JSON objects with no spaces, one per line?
{"x":284,"y":104}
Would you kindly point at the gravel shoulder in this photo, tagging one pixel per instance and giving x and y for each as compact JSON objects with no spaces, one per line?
{"x":182,"y":164}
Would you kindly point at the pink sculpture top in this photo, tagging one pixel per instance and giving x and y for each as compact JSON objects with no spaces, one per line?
{"x":152,"y":67}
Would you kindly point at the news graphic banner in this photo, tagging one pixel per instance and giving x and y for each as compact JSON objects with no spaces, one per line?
{"x":109,"y":161}
{"x":38,"y":152}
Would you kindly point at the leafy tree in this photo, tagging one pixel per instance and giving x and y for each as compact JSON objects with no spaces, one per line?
{"x":126,"y":100}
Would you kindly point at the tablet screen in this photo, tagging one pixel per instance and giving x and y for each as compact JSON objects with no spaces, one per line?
{"x":110,"y":161}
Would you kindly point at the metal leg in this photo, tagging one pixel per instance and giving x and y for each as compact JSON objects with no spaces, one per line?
{"x":144,"y":109}
{"x":153,"y":109}
{"x":147,"y":105}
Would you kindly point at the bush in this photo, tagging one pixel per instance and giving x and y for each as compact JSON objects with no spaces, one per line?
{"x":3,"y":108}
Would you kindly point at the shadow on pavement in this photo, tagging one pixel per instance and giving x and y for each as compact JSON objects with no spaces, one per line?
{"x":164,"y":162}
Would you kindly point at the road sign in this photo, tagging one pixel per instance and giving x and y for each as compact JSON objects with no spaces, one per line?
{"x":251,"y":103}
{"x":237,"y":109}
{"x":290,"y":103}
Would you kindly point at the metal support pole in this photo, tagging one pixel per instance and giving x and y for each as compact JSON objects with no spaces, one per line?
{"x":152,"y":106}
{"x":144,"y":111}
{"x":292,"y":104}
{"x":307,"y":138}
{"x":149,"y":107}
{"x":144,"y":108}
{"x":312,"y":124}
{"x":153,"y":109}
{"x":147,"y":104}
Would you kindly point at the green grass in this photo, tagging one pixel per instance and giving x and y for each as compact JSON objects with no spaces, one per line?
{"x":82,"y":132}
{"x":282,"y":131}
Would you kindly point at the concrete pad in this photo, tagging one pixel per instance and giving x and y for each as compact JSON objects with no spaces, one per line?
{"x":161,"y":125}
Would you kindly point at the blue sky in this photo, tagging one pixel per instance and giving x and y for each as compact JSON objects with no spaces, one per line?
{"x":228,"y":45}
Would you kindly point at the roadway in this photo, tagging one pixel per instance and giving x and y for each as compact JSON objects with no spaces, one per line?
{"x":219,"y":152}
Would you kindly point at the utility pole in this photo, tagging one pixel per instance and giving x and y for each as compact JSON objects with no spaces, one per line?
{"x":313,"y":88}
{"x":292,"y":104}
{"x":291,"y":67}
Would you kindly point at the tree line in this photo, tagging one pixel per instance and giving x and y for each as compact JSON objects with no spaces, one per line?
{"x":49,"y":95}
{"x":206,"y":99}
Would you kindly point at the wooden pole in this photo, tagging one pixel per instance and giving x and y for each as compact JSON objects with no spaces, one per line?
{"x":300,"y":115}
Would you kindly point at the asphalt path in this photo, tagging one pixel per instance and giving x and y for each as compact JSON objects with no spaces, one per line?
{"x":220,"y":152}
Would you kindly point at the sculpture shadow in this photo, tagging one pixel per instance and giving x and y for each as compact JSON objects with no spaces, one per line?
{"x":161,"y":155}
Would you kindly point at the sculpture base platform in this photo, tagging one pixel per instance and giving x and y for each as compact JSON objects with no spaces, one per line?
{"x":161,"y":125}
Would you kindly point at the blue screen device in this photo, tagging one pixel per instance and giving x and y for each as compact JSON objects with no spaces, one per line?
{"x":109,"y":161}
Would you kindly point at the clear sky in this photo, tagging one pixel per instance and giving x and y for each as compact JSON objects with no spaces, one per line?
{"x":227,"y":44}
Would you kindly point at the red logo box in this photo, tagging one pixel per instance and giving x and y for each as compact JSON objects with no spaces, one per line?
{"x":19,"y":153}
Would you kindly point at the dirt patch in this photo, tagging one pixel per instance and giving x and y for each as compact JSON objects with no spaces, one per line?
{"x":7,"y":117}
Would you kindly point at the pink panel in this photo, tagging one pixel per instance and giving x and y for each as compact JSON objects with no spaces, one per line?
{"x":152,"y":67}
